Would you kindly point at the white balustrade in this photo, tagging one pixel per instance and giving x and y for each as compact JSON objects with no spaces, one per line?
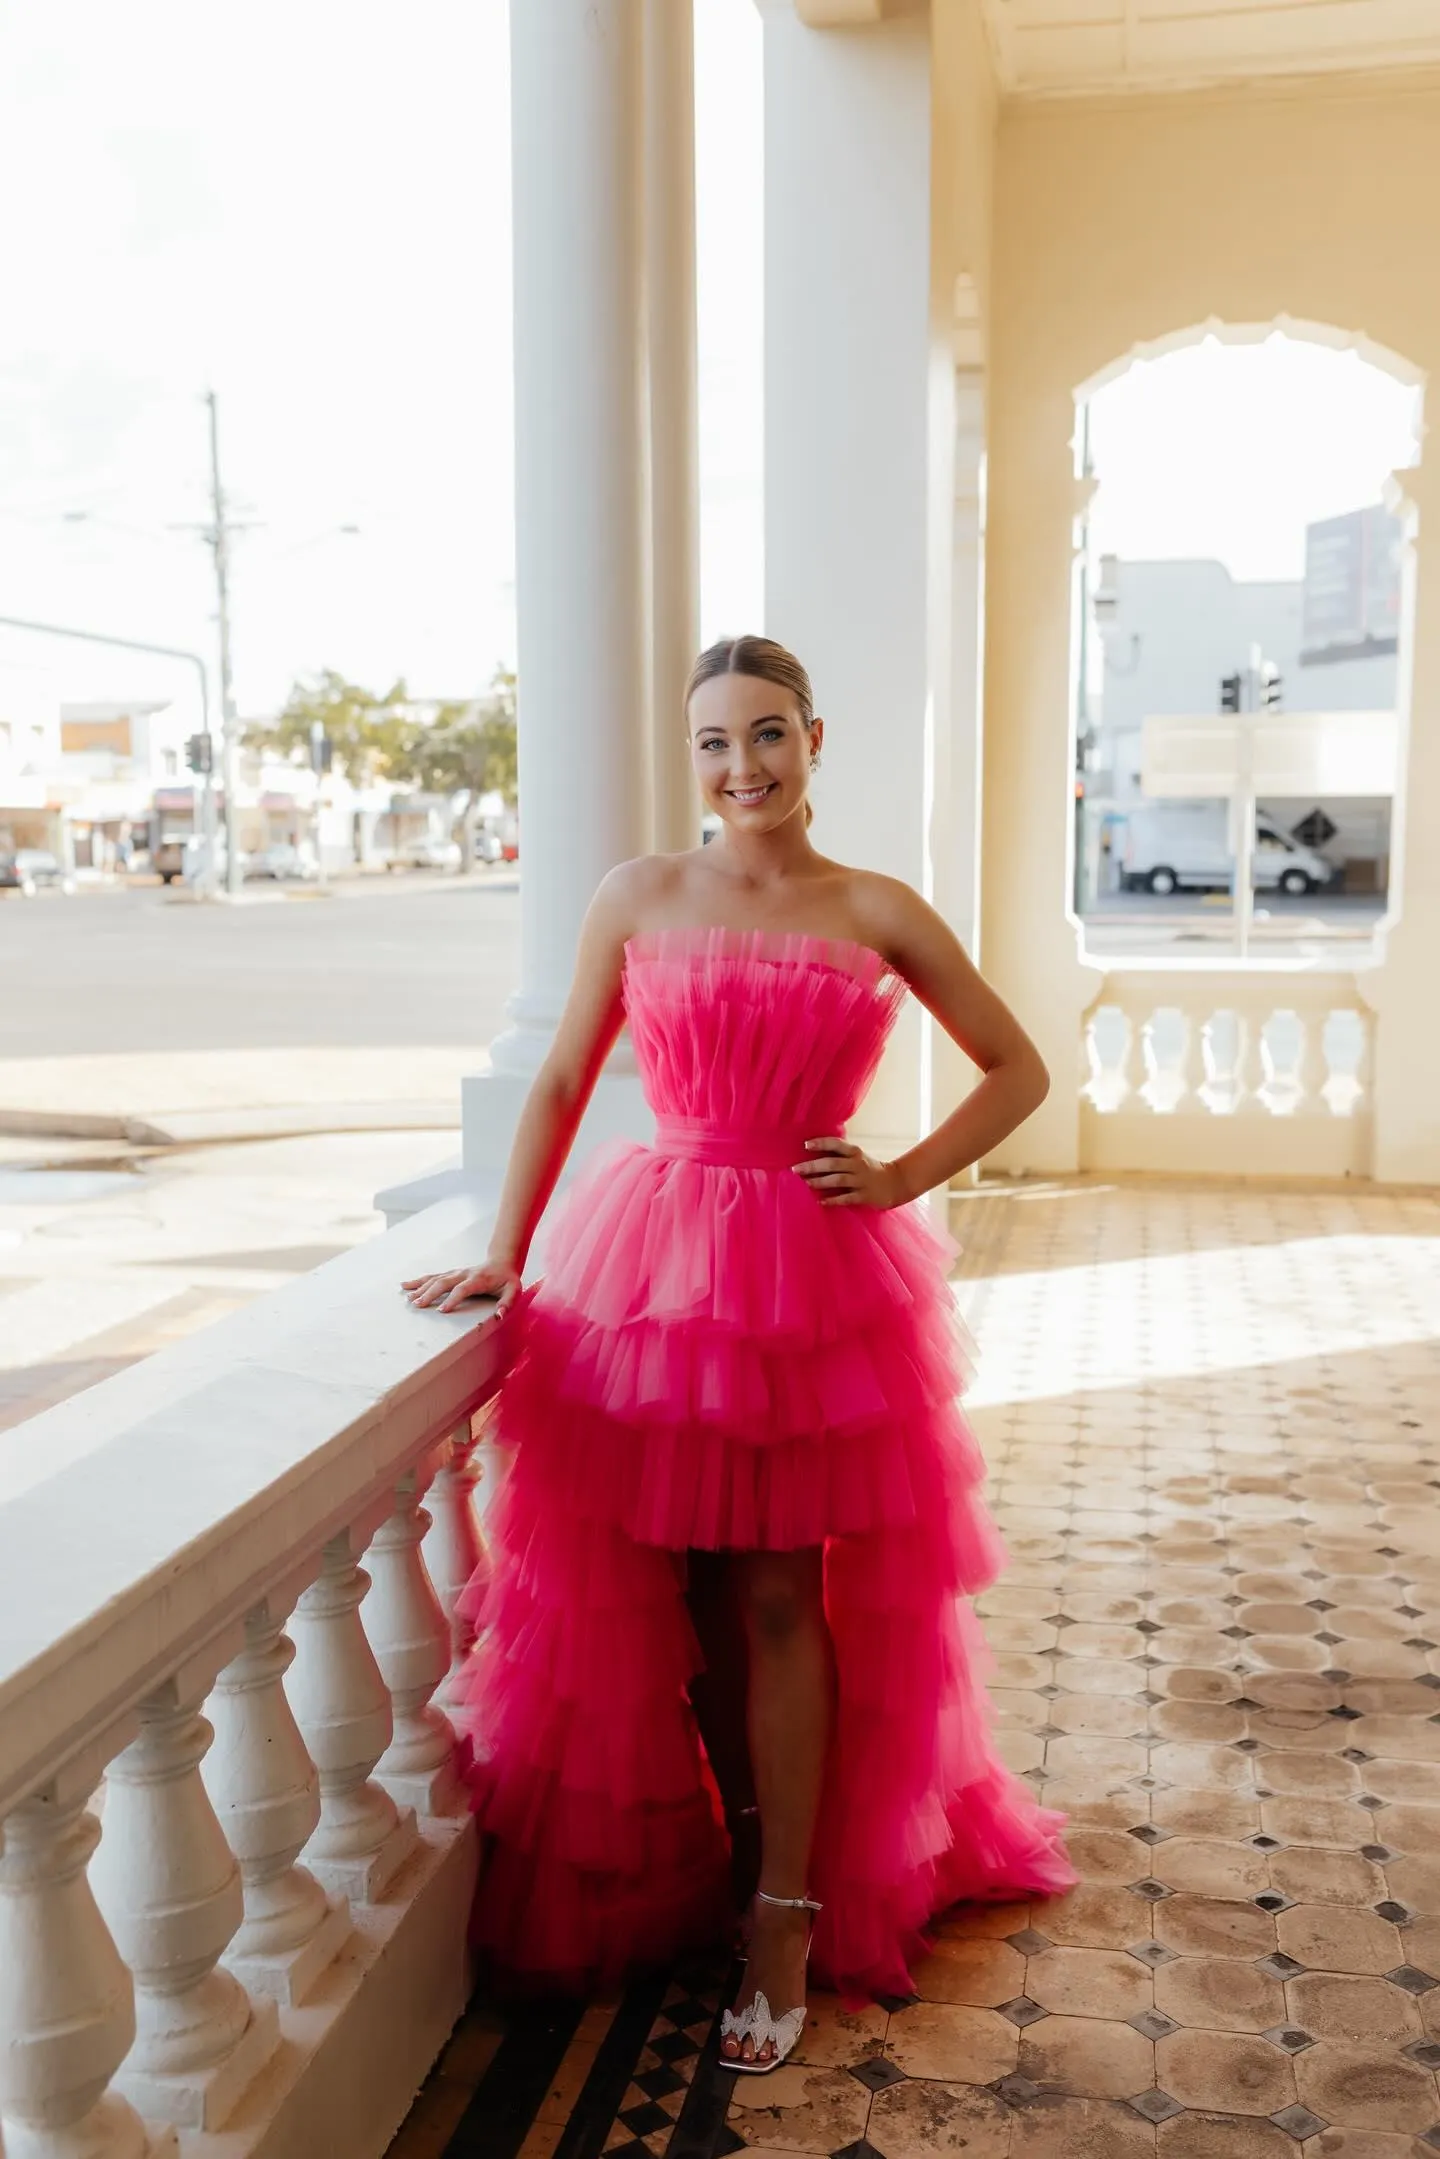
{"x":342,"y":1706}
{"x":1243,"y":1073}
{"x":170,"y":1889}
{"x":67,"y":2003}
{"x":454,"y":1549}
{"x":410,"y":1636}
{"x":180,"y":1966}
{"x":266,"y":1793}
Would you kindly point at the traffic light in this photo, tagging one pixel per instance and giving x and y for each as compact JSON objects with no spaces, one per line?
{"x":1272,"y":688}
{"x":200,"y":753}
{"x":1230,"y":687}
{"x":322,"y":749}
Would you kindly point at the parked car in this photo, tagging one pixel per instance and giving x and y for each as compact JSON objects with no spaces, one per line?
{"x":1170,"y":844}
{"x":282,"y":860}
{"x":426,"y":854}
{"x":30,"y":869}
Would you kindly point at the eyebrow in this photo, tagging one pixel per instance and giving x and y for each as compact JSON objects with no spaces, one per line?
{"x":766,"y":719}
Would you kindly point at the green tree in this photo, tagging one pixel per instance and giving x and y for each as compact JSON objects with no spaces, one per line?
{"x":467,"y":750}
{"x":370,"y":735}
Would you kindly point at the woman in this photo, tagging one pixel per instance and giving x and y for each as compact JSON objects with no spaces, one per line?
{"x":740,"y":1377}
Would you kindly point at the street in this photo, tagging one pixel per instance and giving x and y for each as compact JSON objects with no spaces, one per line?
{"x":347,"y":1017}
{"x":373,"y":961}
{"x":1203,"y":923}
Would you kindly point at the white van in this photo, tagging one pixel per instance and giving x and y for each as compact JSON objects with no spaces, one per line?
{"x":1167,"y":845}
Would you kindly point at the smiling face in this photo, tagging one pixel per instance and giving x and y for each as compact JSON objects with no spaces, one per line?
{"x":751,"y":751}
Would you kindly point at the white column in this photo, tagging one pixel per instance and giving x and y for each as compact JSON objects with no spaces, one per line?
{"x":674,"y":456}
{"x":266,"y":1792}
{"x":581,"y":518}
{"x":577,"y":107}
{"x":847,"y":449}
{"x":170,"y":1889}
{"x":957,"y":646}
{"x":67,"y":2006}
{"x":342,"y":1707}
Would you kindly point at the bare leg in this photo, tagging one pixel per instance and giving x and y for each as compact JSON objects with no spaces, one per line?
{"x":791,"y":1681}
{"x":719,"y":1695}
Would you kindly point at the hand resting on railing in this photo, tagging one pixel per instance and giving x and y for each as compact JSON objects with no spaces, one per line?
{"x":447,"y":1292}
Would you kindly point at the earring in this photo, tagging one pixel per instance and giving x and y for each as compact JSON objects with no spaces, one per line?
{"x":815,"y":762}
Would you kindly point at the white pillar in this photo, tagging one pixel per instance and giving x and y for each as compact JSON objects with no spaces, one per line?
{"x":847,"y":450}
{"x":580,"y":516}
{"x":957,"y":647}
{"x":674,"y":459}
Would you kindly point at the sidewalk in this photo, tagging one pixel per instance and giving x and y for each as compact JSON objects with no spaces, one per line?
{"x":185,"y":1098}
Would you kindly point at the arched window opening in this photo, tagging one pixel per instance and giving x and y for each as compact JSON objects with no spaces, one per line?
{"x":1239,"y":647}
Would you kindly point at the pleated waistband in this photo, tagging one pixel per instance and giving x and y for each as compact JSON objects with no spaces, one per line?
{"x":703,"y":1139}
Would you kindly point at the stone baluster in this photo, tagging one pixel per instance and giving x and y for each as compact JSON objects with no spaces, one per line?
{"x":1190,"y":1075}
{"x":1312,"y":1065}
{"x":1142,"y":1065}
{"x":1251,"y":1070}
{"x":343,"y":1709}
{"x":492,"y":1465}
{"x":454,"y":1551}
{"x":1362,"y":1097}
{"x":170,"y":1888}
{"x":410,"y":1636}
{"x":67,"y":2004}
{"x":266,"y":1793}
{"x":1212,"y":1086}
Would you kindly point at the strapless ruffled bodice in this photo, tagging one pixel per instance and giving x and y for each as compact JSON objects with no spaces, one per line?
{"x":750,"y":1042}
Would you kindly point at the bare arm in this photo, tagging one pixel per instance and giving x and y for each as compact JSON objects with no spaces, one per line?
{"x":922,"y":948}
{"x":593,"y":1017}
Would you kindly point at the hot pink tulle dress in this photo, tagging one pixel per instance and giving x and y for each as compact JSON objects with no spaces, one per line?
{"x":713,"y":1359}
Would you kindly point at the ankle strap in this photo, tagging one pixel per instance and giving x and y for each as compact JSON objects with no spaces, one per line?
{"x":794,"y":1904}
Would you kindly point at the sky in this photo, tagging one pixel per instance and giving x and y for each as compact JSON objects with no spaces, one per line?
{"x":1227,"y":451}
{"x":307,"y":208}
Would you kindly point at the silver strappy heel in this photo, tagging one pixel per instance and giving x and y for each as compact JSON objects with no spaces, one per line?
{"x":755,"y":2021}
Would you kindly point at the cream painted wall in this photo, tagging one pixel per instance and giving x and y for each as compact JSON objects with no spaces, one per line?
{"x":1118,"y":222}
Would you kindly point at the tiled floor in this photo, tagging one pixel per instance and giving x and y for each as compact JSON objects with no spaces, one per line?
{"x":1213,"y":1420}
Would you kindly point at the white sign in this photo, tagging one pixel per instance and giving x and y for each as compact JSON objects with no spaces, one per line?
{"x":1296,"y":753}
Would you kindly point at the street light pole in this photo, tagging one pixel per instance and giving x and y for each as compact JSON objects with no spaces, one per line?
{"x":218,"y":537}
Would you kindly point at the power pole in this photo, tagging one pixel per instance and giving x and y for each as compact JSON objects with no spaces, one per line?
{"x":217,"y":536}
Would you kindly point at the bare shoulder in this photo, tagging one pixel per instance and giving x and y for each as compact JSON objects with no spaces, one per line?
{"x":897,"y":921}
{"x":630,"y":895}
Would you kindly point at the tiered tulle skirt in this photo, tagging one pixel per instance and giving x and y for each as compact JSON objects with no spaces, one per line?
{"x":715,"y":1361}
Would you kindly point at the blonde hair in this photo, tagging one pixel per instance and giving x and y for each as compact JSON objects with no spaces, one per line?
{"x":766,"y":661}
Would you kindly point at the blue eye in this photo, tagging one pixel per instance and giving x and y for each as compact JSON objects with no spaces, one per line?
{"x":715,"y":743}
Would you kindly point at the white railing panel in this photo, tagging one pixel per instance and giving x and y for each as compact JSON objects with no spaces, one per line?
{"x":149,"y":1988}
{"x":1195,"y":1069}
